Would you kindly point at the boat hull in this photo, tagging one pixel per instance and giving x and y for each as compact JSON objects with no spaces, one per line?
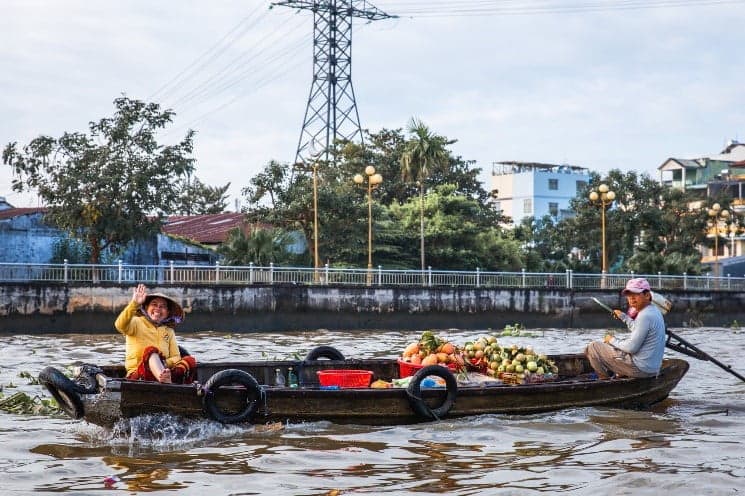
{"x":576,"y":388}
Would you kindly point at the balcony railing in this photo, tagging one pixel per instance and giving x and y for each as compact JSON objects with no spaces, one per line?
{"x":248,"y":275}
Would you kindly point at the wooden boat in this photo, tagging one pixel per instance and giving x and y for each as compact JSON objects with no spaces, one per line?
{"x":234,"y":392}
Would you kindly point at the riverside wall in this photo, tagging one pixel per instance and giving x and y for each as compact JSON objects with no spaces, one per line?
{"x":52,"y":308}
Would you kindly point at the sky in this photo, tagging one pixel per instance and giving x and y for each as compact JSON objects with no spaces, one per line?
{"x":602,"y":84}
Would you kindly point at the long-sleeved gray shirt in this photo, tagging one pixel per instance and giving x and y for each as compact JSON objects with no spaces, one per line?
{"x":646,"y":344}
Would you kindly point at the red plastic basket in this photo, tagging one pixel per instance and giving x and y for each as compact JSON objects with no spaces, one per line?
{"x":345,"y":378}
{"x":405,"y":369}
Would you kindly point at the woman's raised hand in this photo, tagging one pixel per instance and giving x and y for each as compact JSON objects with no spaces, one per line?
{"x":139,"y":294}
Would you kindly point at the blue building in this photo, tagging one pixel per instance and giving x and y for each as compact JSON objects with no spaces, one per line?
{"x":530,"y":189}
{"x":25,"y":237}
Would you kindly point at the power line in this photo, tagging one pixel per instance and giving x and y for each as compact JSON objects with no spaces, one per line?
{"x":217,"y":50}
{"x":449,"y":8}
{"x":269,"y":49}
{"x":272,"y":72}
{"x":270,"y":57}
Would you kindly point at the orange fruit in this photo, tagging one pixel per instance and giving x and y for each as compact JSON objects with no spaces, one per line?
{"x":448,"y":348}
{"x":411,"y":349}
{"x":430,"y":360}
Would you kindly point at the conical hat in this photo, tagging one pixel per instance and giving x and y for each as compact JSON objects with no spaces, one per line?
{"x":175,"y":312}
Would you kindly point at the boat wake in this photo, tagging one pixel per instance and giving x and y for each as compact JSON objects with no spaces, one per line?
{"x":165,"y":432}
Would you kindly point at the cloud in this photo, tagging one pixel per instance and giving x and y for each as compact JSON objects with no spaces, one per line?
{"x":609,"y":89}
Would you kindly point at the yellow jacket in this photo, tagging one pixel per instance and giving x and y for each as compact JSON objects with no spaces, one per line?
{"x":141,"y":333}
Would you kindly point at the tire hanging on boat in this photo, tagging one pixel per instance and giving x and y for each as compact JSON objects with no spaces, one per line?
{"x":414,"y":392}
{"x":226,"y":378}
{"x":85,"y":380}
{"x":324,"y":352}
{"x":64,"y":391}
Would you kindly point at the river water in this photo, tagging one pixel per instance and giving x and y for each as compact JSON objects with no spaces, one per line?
{"x":692,"y":442}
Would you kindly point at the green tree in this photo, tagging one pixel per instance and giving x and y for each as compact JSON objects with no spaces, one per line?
{"x":458,"y":235}
{"x":197,"y":198}
{"x":271,"y":183}
{"x":69,"y":249}
{"x":110,"y":186}
{"x":262,"y":247}
{"x":548,"y":245}
{"x":649,"y":228}
{"x":423,"y":152}
{"x":282,"y":195}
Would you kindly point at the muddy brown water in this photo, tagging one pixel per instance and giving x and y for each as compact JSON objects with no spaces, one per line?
{"x":691,"y":443}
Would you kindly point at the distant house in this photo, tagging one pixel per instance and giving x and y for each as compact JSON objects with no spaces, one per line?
{"x":184,"y":240}
{"x":25,"y":237}
{"x":709,"y":178}
{"x":530,"y":189}
{"x":4,"y":205}
{"x":698,"y":173}
{"x":207,"y":231}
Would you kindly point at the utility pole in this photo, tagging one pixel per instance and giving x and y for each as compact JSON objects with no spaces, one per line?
{"x":331,"y":112}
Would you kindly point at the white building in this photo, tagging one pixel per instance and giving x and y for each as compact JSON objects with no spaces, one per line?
{"x":529,"y":189}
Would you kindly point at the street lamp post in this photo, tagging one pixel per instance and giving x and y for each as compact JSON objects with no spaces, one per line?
{"x":373,"y":181}
{"x":315,"y":220}
{"x":718,"y":215}
{"x":313,"y":168}
{"x":603,"y":197}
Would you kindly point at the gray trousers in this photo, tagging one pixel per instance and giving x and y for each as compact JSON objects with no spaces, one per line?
{"x":607,"y":360}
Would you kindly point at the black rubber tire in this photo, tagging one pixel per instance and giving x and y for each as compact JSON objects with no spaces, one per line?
{"x":85,"y":381}
{"x":232,"y":377}
{"x":324,"y":352}
{"x":64,"y":390}
{"x":414,"y":392}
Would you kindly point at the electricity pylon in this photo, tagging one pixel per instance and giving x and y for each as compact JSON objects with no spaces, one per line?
{"x":331,"y":113}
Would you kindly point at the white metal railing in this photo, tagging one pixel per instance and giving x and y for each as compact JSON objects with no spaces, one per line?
{"x":217,"y":274}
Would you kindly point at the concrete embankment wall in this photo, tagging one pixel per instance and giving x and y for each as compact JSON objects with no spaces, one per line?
{"x":40,"y":308}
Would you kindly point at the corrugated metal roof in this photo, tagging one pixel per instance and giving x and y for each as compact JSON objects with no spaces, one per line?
{"x":207,"y":229}
{"x":9,"y":213}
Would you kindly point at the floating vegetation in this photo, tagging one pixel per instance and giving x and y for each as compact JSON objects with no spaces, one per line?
{"x":31,"y":378}
{"x":21,"y":403}
{"x":518,"y":330}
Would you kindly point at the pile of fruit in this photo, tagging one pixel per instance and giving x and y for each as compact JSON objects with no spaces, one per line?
{"x":430,"y":349}
{"x":483,"y":352}
{"x":525,"y":365}
{"x":513,"y":364}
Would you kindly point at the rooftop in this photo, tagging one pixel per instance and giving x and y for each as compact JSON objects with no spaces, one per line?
{"x":512,"y":167}
{"x":9,"y":213}
{"x":207,"y":229}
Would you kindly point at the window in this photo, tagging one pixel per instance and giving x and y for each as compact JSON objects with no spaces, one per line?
{"x":553,"y":184}
{"x":581,"y":187}
{"x":528,"y":206}
{"x":178,"y":256}
{"x":553,"y":209}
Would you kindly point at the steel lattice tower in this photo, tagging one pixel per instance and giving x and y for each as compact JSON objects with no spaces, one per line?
{"x":331,"y":112}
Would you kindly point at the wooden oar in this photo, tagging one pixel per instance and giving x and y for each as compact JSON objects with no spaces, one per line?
{"x":684,"y":347}
{"x":603,"y":305}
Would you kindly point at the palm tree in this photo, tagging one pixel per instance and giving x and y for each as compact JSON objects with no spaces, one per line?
{"x":261,"y":247}
{"x":423,"y":152}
